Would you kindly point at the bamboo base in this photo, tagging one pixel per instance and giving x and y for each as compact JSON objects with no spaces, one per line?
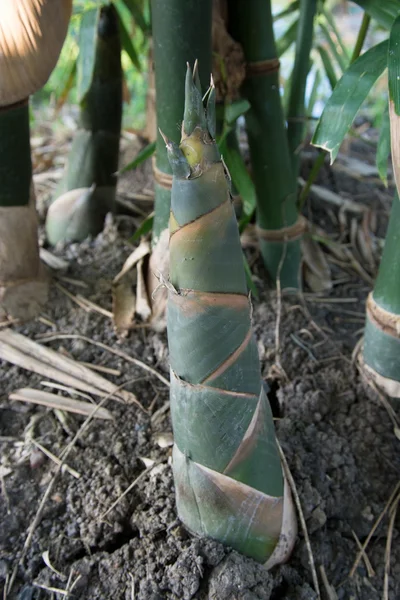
{"x":382,"y":347}
{"x":281,"y":252}
{"x":23,"y":283}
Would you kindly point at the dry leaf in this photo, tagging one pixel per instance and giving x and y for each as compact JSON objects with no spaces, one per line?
{"x":60,"y":402}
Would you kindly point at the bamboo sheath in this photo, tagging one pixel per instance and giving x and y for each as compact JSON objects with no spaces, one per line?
{"x":227,"y":470}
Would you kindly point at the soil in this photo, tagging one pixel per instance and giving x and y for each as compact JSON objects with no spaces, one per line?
{"x":336,"y":434}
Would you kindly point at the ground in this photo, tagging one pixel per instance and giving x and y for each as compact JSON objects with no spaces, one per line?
{"x":335,"y":430}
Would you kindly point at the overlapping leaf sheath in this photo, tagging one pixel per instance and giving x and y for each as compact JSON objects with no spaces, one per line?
{"x":382,"y":330}
{"x":278,"y":224}
{"x":227,"y":470}
{"x":87,"y":191}
{"x":32,"y":33}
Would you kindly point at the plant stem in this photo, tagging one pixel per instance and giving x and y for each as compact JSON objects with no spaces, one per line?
{"x":15,"y":155}
{"x":362,"y":33}
{"x":296,"y":107}
{"x":181,"y":34}
{"x":251,"y":25}
{"x":93,"y":158}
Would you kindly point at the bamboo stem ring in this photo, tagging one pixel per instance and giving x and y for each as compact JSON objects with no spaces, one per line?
{"x":285,"y":234}
{"x":262,"y":67}
{"x":383,"y":319}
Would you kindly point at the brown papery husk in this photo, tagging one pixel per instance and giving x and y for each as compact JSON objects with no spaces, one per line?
{"x":23,"y":281}
{"x":32,"y":33}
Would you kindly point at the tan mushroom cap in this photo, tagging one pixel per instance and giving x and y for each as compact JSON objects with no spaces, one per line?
{"x":32,"y":33}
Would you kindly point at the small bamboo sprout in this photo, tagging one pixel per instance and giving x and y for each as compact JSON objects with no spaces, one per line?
{"x":87,"y":192}
{"x":227,"y":470}
{"x":382,"y":330}
{"x":32,"y":33}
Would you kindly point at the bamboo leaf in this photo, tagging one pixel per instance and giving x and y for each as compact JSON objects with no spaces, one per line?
{"x":240,"y":177}
{"x":383,"y":11}
{"x":68,"y":84}
{"x":127,"y":45}
{"x":144,"y":228}
{"x":314,"y":92}
{"x":332,"y":43}
{"x":87,"y":51}
{"x":141,"y":157}
{"x":328,"y":66}
{"x":287,"y":11}
{"x":347,"y":97}
{"x":137,"y":15}
{"x":287,"y":39}
{"x":235,"y":110}
{"x":383,"y":149}
{"x":331,"y":22}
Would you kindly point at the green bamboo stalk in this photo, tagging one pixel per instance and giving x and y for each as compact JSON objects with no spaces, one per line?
{"x":181,"y":33}
{"x":362,"y":34}
{"x":15,"y":155}
{"x":382,"y":330}
{"x":296,"y":107}
{"x":87,"y":192}
{"x":227,"y":470}
{"x":251,"y":24}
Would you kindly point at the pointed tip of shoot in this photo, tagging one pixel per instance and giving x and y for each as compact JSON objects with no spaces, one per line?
{"x":179,"y":165}
{"x":194,"y":111}
{"x":211,"y":110}
{"x":196,"y":76}
{"x":164,"y":137}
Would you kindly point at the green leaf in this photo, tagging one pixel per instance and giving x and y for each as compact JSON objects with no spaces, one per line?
{"x":141,"y":157}
{"x":394,"y":65}
{"x":331,"y":22}
{"x":127,"y":44}
{"x":287,"y":39}
{"x":347,"y":97}
{"x":240,"y":177}
{"x":328,"y":66}
{"x":235,"y":110}
{"x":341,"y":60}
{"x":383,"y":11}
{"x":383,"y":149}
{"x":87,"y":51}
{"x":134,"y":8}
{"x":287,"y":11}
{"x":314,"y":92}
{"x":143,"y":229}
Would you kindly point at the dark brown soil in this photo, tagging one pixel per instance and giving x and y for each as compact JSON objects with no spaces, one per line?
{"x":337,"y":436}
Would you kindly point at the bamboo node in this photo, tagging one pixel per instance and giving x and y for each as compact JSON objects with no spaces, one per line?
{"x":387,"y":321}
{"x":285,"y":234}
{"x":163,"y":179}
{"x":262,"y":67}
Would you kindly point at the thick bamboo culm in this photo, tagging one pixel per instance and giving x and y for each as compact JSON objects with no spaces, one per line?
{"x":279,"y":228}
{"x":181,"y":33}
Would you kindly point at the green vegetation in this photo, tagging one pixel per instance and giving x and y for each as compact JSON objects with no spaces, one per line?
{"x":87,"y":192}
{"x":227,"y":469}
